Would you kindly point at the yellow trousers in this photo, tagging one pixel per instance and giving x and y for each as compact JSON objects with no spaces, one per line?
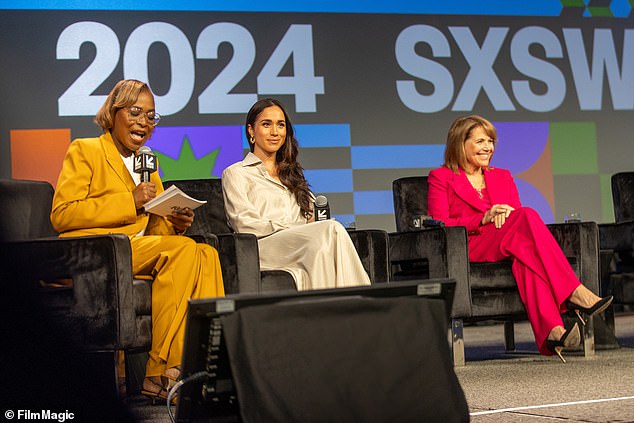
{"x":182,"y":269}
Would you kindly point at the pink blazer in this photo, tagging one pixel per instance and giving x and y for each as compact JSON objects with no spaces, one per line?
{"x":452,"y":199}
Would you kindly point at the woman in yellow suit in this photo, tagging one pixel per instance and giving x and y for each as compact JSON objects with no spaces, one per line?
{"x":99,"y":193}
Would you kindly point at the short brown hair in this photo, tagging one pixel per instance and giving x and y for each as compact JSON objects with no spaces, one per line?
{"x":124,"y":94}
{"x":459,"y":132}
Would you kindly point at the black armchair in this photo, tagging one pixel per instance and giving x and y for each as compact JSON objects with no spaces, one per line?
{"x":239,"y":257}
{"x":484,"y":291}
{"x":85,"y":283}
{"x":239,"y":251}
{"x":617,"y":246}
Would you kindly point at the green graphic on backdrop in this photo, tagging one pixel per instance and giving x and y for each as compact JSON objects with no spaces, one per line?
{"x":187,"y":166}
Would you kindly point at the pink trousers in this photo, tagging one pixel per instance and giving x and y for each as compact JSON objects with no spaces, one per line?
{"x":544,"y":276}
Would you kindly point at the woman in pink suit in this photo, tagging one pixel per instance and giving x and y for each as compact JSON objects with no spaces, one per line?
{"x":466,"y":191}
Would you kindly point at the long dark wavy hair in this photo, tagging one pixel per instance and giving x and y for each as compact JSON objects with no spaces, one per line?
{"x":289,"y":170}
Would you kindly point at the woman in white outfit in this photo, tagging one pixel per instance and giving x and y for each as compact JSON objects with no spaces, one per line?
{"x":266,"y":194}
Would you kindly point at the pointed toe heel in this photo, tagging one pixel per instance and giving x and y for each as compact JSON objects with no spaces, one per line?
{"x":597,"y":307}
{"x":570,"y":338}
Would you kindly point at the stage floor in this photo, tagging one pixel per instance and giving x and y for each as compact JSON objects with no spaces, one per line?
{"x":526,"y":387}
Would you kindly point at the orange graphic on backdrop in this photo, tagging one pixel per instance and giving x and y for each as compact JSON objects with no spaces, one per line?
{"x":38,"y":154}
{"x":540,"y":175}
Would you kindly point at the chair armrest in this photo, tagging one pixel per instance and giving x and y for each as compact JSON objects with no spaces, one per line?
{"x":617,"y":236}
{"x":372,"y":247}
{"x":581,"y":242}
{"x":459,"y":269}
{"x":445,"y":249}
{"x":209,"y":239}
{"x":240,"y":262}
{"x":98,"y":306}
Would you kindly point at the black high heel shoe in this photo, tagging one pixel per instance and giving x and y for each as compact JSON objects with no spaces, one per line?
{"x":598,"y":307}
{"x":570,"y":338}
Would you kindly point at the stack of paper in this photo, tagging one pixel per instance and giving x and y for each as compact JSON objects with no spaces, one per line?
{"x":170,"y":200}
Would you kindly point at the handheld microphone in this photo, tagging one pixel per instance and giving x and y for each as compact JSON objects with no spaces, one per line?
{"x":145,"y":163}
{"x":322,"y":209}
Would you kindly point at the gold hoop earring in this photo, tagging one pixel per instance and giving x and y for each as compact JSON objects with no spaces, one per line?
{"x":252,"y":140}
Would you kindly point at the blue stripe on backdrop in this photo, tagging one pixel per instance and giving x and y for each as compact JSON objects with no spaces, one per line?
{"x":447,"y":7}
{"x":323,"y":135}
{"x":329,"y":180}
{"x":397,"y":156}
{"x":373,"y":202}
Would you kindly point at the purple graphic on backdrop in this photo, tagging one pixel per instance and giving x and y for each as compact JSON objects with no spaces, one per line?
{"x":520,"y":145}
{"x":533,"y":198}
{"x":203,"y":140}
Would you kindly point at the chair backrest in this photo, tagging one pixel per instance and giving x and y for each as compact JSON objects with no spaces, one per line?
{"x":25,"y":208}
{"x":623,"y":196}
{"x":410,"y":201}
{"x":211,"y":217}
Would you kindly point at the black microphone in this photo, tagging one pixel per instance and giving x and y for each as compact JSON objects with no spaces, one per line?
{"x":145,"y":163}
{"x":322,"y":209}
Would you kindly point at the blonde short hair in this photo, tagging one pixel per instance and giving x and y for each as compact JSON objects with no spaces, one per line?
{"x":124,"y":94}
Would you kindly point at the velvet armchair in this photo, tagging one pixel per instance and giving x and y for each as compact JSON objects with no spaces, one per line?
{"x":484,"y":291}
{"x":617,"y":245}
{"x":85,"y":283}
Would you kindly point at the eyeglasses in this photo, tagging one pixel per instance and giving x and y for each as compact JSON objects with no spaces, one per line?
{"x":136,"y":113}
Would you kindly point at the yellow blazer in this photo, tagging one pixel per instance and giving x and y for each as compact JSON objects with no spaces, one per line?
{"x":94,"y":193}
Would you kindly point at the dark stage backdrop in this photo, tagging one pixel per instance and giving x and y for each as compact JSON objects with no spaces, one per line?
{"x":371,"y":90}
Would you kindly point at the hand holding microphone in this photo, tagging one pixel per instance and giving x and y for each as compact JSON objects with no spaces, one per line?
{"x":144,"y":163}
